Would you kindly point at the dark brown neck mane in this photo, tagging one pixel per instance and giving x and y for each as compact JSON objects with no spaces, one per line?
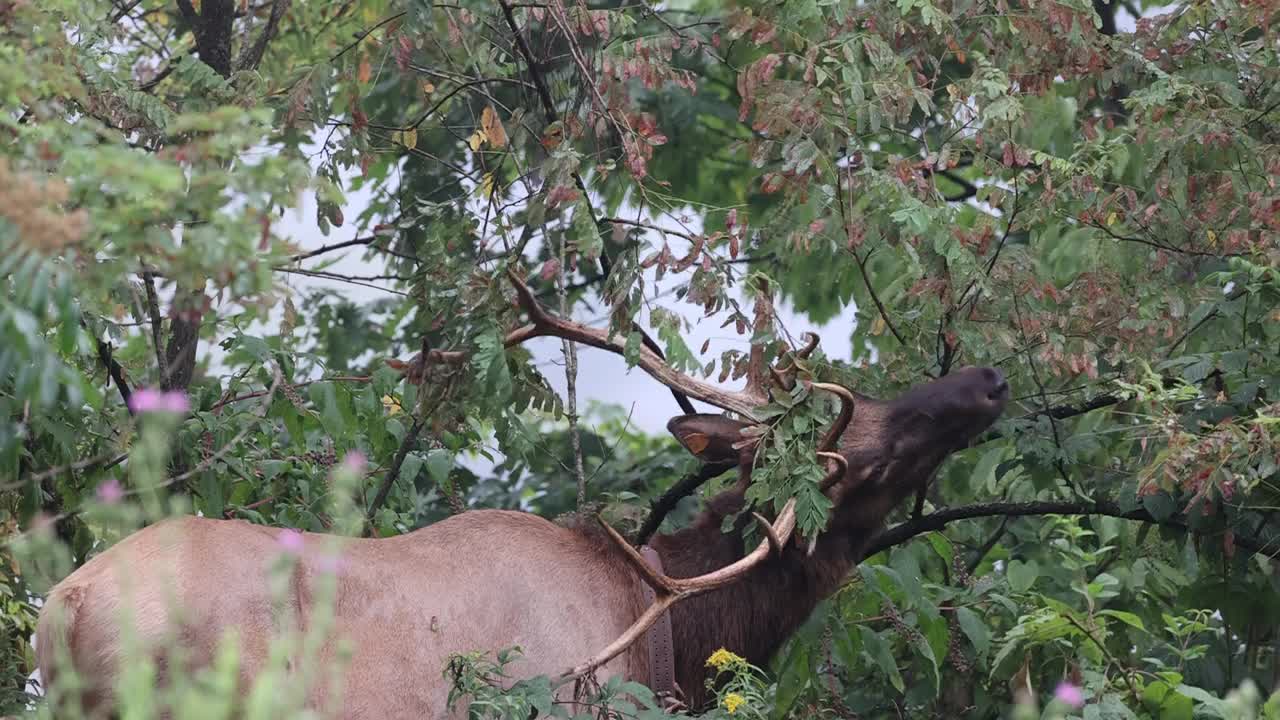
{"x":752,"y":617}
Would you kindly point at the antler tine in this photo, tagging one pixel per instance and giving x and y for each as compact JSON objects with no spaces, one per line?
{"x":832,"y":439}
{"x":660,"y":583}
{"x":775,"y":542}
{"x":810,"y":345}
{"x":782,"y":529}
{"x":782,"y":377}
{"x":624,"y":641}
{"x":833,"y":476}
{"x":669,"y":591}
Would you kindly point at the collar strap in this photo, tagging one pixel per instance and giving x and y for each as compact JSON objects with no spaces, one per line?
{"x":662,"y":664}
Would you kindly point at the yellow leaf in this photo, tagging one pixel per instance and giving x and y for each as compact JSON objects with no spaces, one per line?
{"x":365,"y":70}
{"x":391,"y":404}
{"x":1111,"y":219}
{"x":491,"y":124}
{"x":877,"y":327}
{"x":476,"y":140}
{"x":410,"y":138}
{"x":486,"y":184}
{"x":1213,"y":238}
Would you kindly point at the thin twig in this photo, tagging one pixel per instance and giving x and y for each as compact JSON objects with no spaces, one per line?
{"x":866,"y":279}
{"x":364,"y":34}
{"x":571,"y":379}
{"x":259,"y":393}
{"x":1110,"y":658}
{"x":106,"y":460}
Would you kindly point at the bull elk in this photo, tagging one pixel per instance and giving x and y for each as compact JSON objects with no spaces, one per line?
{"x":574,"y":597}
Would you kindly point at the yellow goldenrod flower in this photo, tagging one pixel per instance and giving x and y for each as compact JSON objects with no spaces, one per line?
{"x":720,"y":659}
{"x":732,"y":701}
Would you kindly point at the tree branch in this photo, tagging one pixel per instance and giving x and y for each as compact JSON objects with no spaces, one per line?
{"x":684,"y":487}
{"x":905,"y":531}
{"x":252,"y":53}
{"x":981,"y":553}
{"x":153,"y":311}
{"x":115,"y":372}
{"x":393,"y":472}
{"x":1062,"y":412}
{"x":539,"y":82}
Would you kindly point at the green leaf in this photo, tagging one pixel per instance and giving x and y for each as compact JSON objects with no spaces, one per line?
{"x":1109,"y":707}
{"x":1127,"y":618}
{"x":974,"y":628}
{"x":332,"y":419}
{"x":942,"y":546}
{"x":933,"y":643}
{"x":984,"y":473}
{"x":1165,"y":703}
{"x":792,"y":679}
{"x":880,"y":652}
{"x":1022,"y":575}
{"x":409,"y":469}
{"x":846,"y":645}
{"x":903,"y":560}
{"x":490,"y":360}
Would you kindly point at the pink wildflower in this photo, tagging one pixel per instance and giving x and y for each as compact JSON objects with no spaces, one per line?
{"x":1069,"y":694}
{"x":290,"y":541}
{"x":110,"y":492}
{"x":331,"y":564}
{"x":354,"y":461}
{"x":151,"y":400}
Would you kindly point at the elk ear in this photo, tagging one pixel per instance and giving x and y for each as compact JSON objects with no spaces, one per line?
{"x":710,"y":438}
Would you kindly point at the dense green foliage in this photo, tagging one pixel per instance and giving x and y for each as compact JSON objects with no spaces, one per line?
{"x":1020,"y":184}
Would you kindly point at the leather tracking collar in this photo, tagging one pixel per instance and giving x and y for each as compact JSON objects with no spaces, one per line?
{"x":662,"y":661}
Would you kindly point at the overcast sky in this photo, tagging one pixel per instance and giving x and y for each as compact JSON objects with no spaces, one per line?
{"x":602,"y":376}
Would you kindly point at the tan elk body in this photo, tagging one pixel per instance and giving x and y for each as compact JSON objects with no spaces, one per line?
{"x":485,"y":580}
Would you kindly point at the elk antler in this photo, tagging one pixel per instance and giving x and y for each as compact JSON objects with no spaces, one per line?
{"x":544,"y":324}
{"x":785,"y":377}
{"x":670,"y":591}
